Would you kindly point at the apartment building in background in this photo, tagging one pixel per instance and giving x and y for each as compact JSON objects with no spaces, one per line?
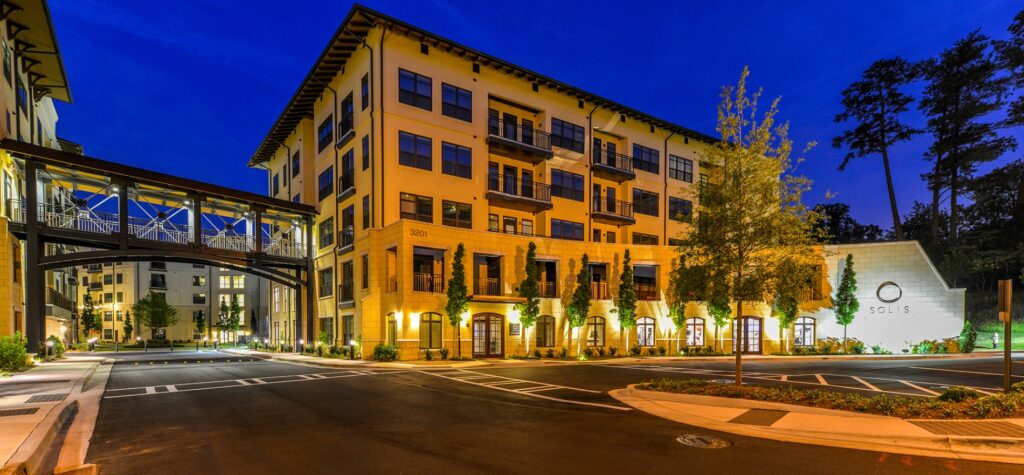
{"x":194,"y":290}
{"x":33,"y":78}
{"x":410,"y":144}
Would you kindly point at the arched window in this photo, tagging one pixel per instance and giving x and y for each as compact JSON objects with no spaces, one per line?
{"x":595,"y":331}
{"x":645,"y":331}
{"x":545,"y":331}
{"x":694,"y":331}
{"x":392,"y":330}
{"x":430,"y":330}
{"x":803,"y":332}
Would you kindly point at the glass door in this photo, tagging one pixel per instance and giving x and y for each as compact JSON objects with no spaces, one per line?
{"x":488,"y":336}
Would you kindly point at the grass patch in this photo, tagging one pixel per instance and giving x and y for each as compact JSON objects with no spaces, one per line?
{"x":987,"y":329}
{"x":956,"y":403}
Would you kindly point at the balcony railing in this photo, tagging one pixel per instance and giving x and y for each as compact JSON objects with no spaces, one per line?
{"x":156,"y":230}
{"x":616,"y":209}
{"x":95,"y":285}
{"x":59,"y":300}
{"x":547,"y":289}
{"x":230,"y":242}
{"x":511,"y":185}
{"x":345,"y":292}
{"x":599,"y":290}
{"x":95,"y":268}
{"x":487,"y":286}
{"x":347,"y":236}
{"x":646,"y":291}
{"x":346,"y":184}
{"x":284,"y":247}
{"x":514,"y":132}
{"x":616,"y":162}
{"x":433,"y":283}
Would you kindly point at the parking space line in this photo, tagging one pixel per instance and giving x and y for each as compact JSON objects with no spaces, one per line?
{"x":869,"y":385}
{"x":983,"y":373}
{"x":531,"y":392}
{"x":821,"y":380}
{"x":251,"y":382}
{"x":785,"y":378}
{"x":919,"y":388}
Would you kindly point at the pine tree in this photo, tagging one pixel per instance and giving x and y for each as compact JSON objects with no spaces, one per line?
{"x":579,"y":304}
{"x":201,"y":323}
{"x":625,"y":301}
{"x":458,"y":300}
{"x":88,"y":317}
{"x":846,"y":304}
{"x":529,"y":290}
{"x":127,"y":327}
{"x":234,"y":317}
{"x":1011,"y":59}
{"x":874,"y":103}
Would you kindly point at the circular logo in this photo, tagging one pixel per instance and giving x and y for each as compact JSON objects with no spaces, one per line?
{"x":890,"y":290}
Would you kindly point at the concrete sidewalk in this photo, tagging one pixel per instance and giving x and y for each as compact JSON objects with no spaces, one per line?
{"x":985,"y":440}
{"x":37,"y":405}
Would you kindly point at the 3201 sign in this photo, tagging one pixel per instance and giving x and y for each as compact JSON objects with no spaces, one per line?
{"x":417,"y":232}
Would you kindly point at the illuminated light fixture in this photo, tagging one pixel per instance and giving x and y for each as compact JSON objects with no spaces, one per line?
{"x":352,"y":342}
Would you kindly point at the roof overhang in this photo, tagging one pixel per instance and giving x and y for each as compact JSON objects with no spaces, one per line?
{"x":30,"y":29}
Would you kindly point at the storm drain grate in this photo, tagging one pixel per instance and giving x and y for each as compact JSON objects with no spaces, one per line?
{"x":972,"y":428}
{"x":18,"y":412}
{"x":759,"y":417}
{"x":57,"y":397}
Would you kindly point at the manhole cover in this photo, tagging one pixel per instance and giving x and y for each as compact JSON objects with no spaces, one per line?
{"x":703,"y":441}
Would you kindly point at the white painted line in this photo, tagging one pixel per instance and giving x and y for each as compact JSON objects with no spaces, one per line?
{"x":785,"y":378}
{"x":540,"y":396}
{"x":243,"y":382}
{"x":869,"y":385}
{"x":983,"y":391}
{"x":919,"y":388}
{"x":535,"y":388}
{"x":502,"y":383}
{"x":821,"y":380}
{"x":171,"y":388}
{"x":304,"y":376}
{"x":964,"y":371}
{"x":151,"y":390}
{"x":526,"y":381}
{"x":259,"y":381}
{"x":542,"y":388}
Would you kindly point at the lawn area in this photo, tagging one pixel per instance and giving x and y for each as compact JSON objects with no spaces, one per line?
{"x":987,"y":329}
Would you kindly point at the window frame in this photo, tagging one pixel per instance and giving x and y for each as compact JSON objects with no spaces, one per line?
{"x":415,"y":158}
{"x":680,"y":168}
{"x":324,"y":233}
{"x":325,"y":133}
{"x":456,"y":110}
{"x":544,"y":334}
{"x":644,"y":201}
{"x":452,"y":158}
{"x":567,"y":135}
{"x":416,"y":97}
{"x":641,"y":337}
{"x":803,"y":322}
{"x":693,"y":322}
{"x":572,"y":227}
{"x":674,"y":202}
{"x":563,"y":185}
{"x":457,"y":221}
{"x":432,"y":322}
{"x":325,"y":183}
{"x":418,"y":201}
{"x":593,"y":323}
{"x":325,"y":282}
{"x":646,"y":158}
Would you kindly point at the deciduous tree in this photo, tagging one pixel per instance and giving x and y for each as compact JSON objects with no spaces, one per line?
{"x":579,"y":304}
{"x":154,"y":312}
{"x":625,"y":301}
{"x":458,"y":296}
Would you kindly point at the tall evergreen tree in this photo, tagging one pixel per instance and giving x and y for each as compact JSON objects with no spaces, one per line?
{"x":128,"y":326}
{"x":234,"y":317}
{"x":625,"y":301}
{"x":1011,"y":59}
{"x":458,"y":296}
{"x":579,"y":304}
{"x":874,"y":104}
{"x":846,"y":304}
{"x":88,"y":318}
{"x":201,"y":323}
{"x":529,"y":290}
{"x":963,"y":89}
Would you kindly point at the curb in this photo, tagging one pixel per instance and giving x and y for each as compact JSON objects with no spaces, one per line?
{"x":987,"y":449}
{"x":27,"y":459}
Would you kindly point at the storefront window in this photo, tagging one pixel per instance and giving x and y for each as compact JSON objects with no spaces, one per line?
{"x":595,"y":331}
{"x":645,"y":331}
{"x":803,"y":332}
{"x":695,"y":331}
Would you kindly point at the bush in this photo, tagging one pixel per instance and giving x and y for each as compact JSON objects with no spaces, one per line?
{"x":588,"y":352}
{"x":879,"y":350}
{"x":651,"y":351}
{"x":1017,"y":387}
{"x":600,"y":352}
{"x":428,"y":355}
{"x":13,"y":355}
{"x":635,"y":350}
{"x":564,"y":353}
{"x":662,"y":350}
{"x":612,"y":350}
{"x":958,"y":394}
{"x":444,"y":353}
{"x":57,"y":350}
{"x":968,"y":338}
{"x":536,"y":353}
{"x":383,"y":352}
{"x":550,"y":353}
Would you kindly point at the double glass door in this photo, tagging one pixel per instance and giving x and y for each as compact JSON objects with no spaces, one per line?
{"x":752,"y":336}
{"x":488,"y":341}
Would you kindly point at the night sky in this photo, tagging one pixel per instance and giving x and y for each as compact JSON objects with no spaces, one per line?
{"x":191,"y":87}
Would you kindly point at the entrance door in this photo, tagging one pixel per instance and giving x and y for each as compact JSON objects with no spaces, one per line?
{"x":488,"y":336}
{"x":752,"y":340}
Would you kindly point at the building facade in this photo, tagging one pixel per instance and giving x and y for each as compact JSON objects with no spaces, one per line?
{"x":33,"y":78}
{"x":194,"y":290}
{"x":409,"y":144}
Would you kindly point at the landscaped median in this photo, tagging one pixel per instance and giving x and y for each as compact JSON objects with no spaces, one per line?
{"x":957,"y":424}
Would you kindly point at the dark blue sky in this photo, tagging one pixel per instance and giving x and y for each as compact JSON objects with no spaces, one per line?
{"x":191,"y":87}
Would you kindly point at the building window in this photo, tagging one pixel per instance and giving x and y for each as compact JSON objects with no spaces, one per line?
{"x":527,"y":227}
{"x":366,"y":212}
{"x":199,"y":299}
{"x":325,"y":282}
{"x":365,"y":272}
{"x":645,"y":239}
{"x":566,"y":135}
{"x":680,"y":168}
{"x":645,"y":202}
{"x":646,"y":159}
{"x":803,"y":332}
{"x":108,"y":316}
{"x":325,"y":183}
{"x":609,"y":237}
{"x":296,"y":164}
{"x":567,"y":185}
{"x":108,"y":297}
{"x":419,"y":208}
{"x":108,"y":333}
{"x":325,"y":133}
{"x":391,"y":333}
{"x":456,"y":102}
{"x":119,"y":298}
{"x":414,"y":89}
{"x":348,"y":330}
{"x":238,"y":281}
{"x":277,"y":298}
{"x":694,"y":331}
{"x":366,"y":152}
{"x":348,"y":113}
{"x":364,"y":91}
{"x":197,"y":280}
{"x":680,"y":209}
{"x":415,"y":151}
{"x":430,"y":330}
{"x":275,"y":186}
{"x":108,"y":279}
{"x":325,"y":233}
{"x":158,"y":281}
{"x":297,"y":198}
{"x":225,"y":282}
{"x":703,"y":183}
{"x":284,"y":174}
{"x":120,"y":278}
{"x":595,"y":331}
{"x":645,"y":331}
{"x":566,"y":230}
{"x":456,"y":160}
{"x":545,"y":331}
{"x":459,"y":215}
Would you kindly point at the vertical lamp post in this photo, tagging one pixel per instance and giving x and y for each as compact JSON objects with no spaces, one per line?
{"x":49,"y":348}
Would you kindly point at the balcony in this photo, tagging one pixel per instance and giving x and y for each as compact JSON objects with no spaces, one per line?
{"x":95,"y":285}
{"x":646,"y":291}
{"x":487,"y":286}
{"x":599,"y":291}
{"x":515,"y":141}
{"x":433,"y":283}
{"x":509,"y":189}
{"x":95,"y":268}
{"x":613,"y":211}
{"x":346,"y":239}
{"x":612,"y":166}
{"x":346,"y":295}
{"x":547,"y":290}
{"x":346,"y":131}
{"x":59,"y":300}
{"x":346,"y":185}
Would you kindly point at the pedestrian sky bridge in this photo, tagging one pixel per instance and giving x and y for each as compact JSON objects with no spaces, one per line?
{"x":111,"y":212}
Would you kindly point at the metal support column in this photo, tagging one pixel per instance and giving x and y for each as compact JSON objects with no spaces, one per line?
{"x":297,"y":323}
{"x":197,"y":221}
{"x":35,"y":277}
{"x":310,"y":298}
{"x":122,"y":212}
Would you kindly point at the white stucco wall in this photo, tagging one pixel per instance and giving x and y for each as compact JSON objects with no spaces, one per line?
{"x":927,"y":309}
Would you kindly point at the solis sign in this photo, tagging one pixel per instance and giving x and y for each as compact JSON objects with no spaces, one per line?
{"x":889,"y":294}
